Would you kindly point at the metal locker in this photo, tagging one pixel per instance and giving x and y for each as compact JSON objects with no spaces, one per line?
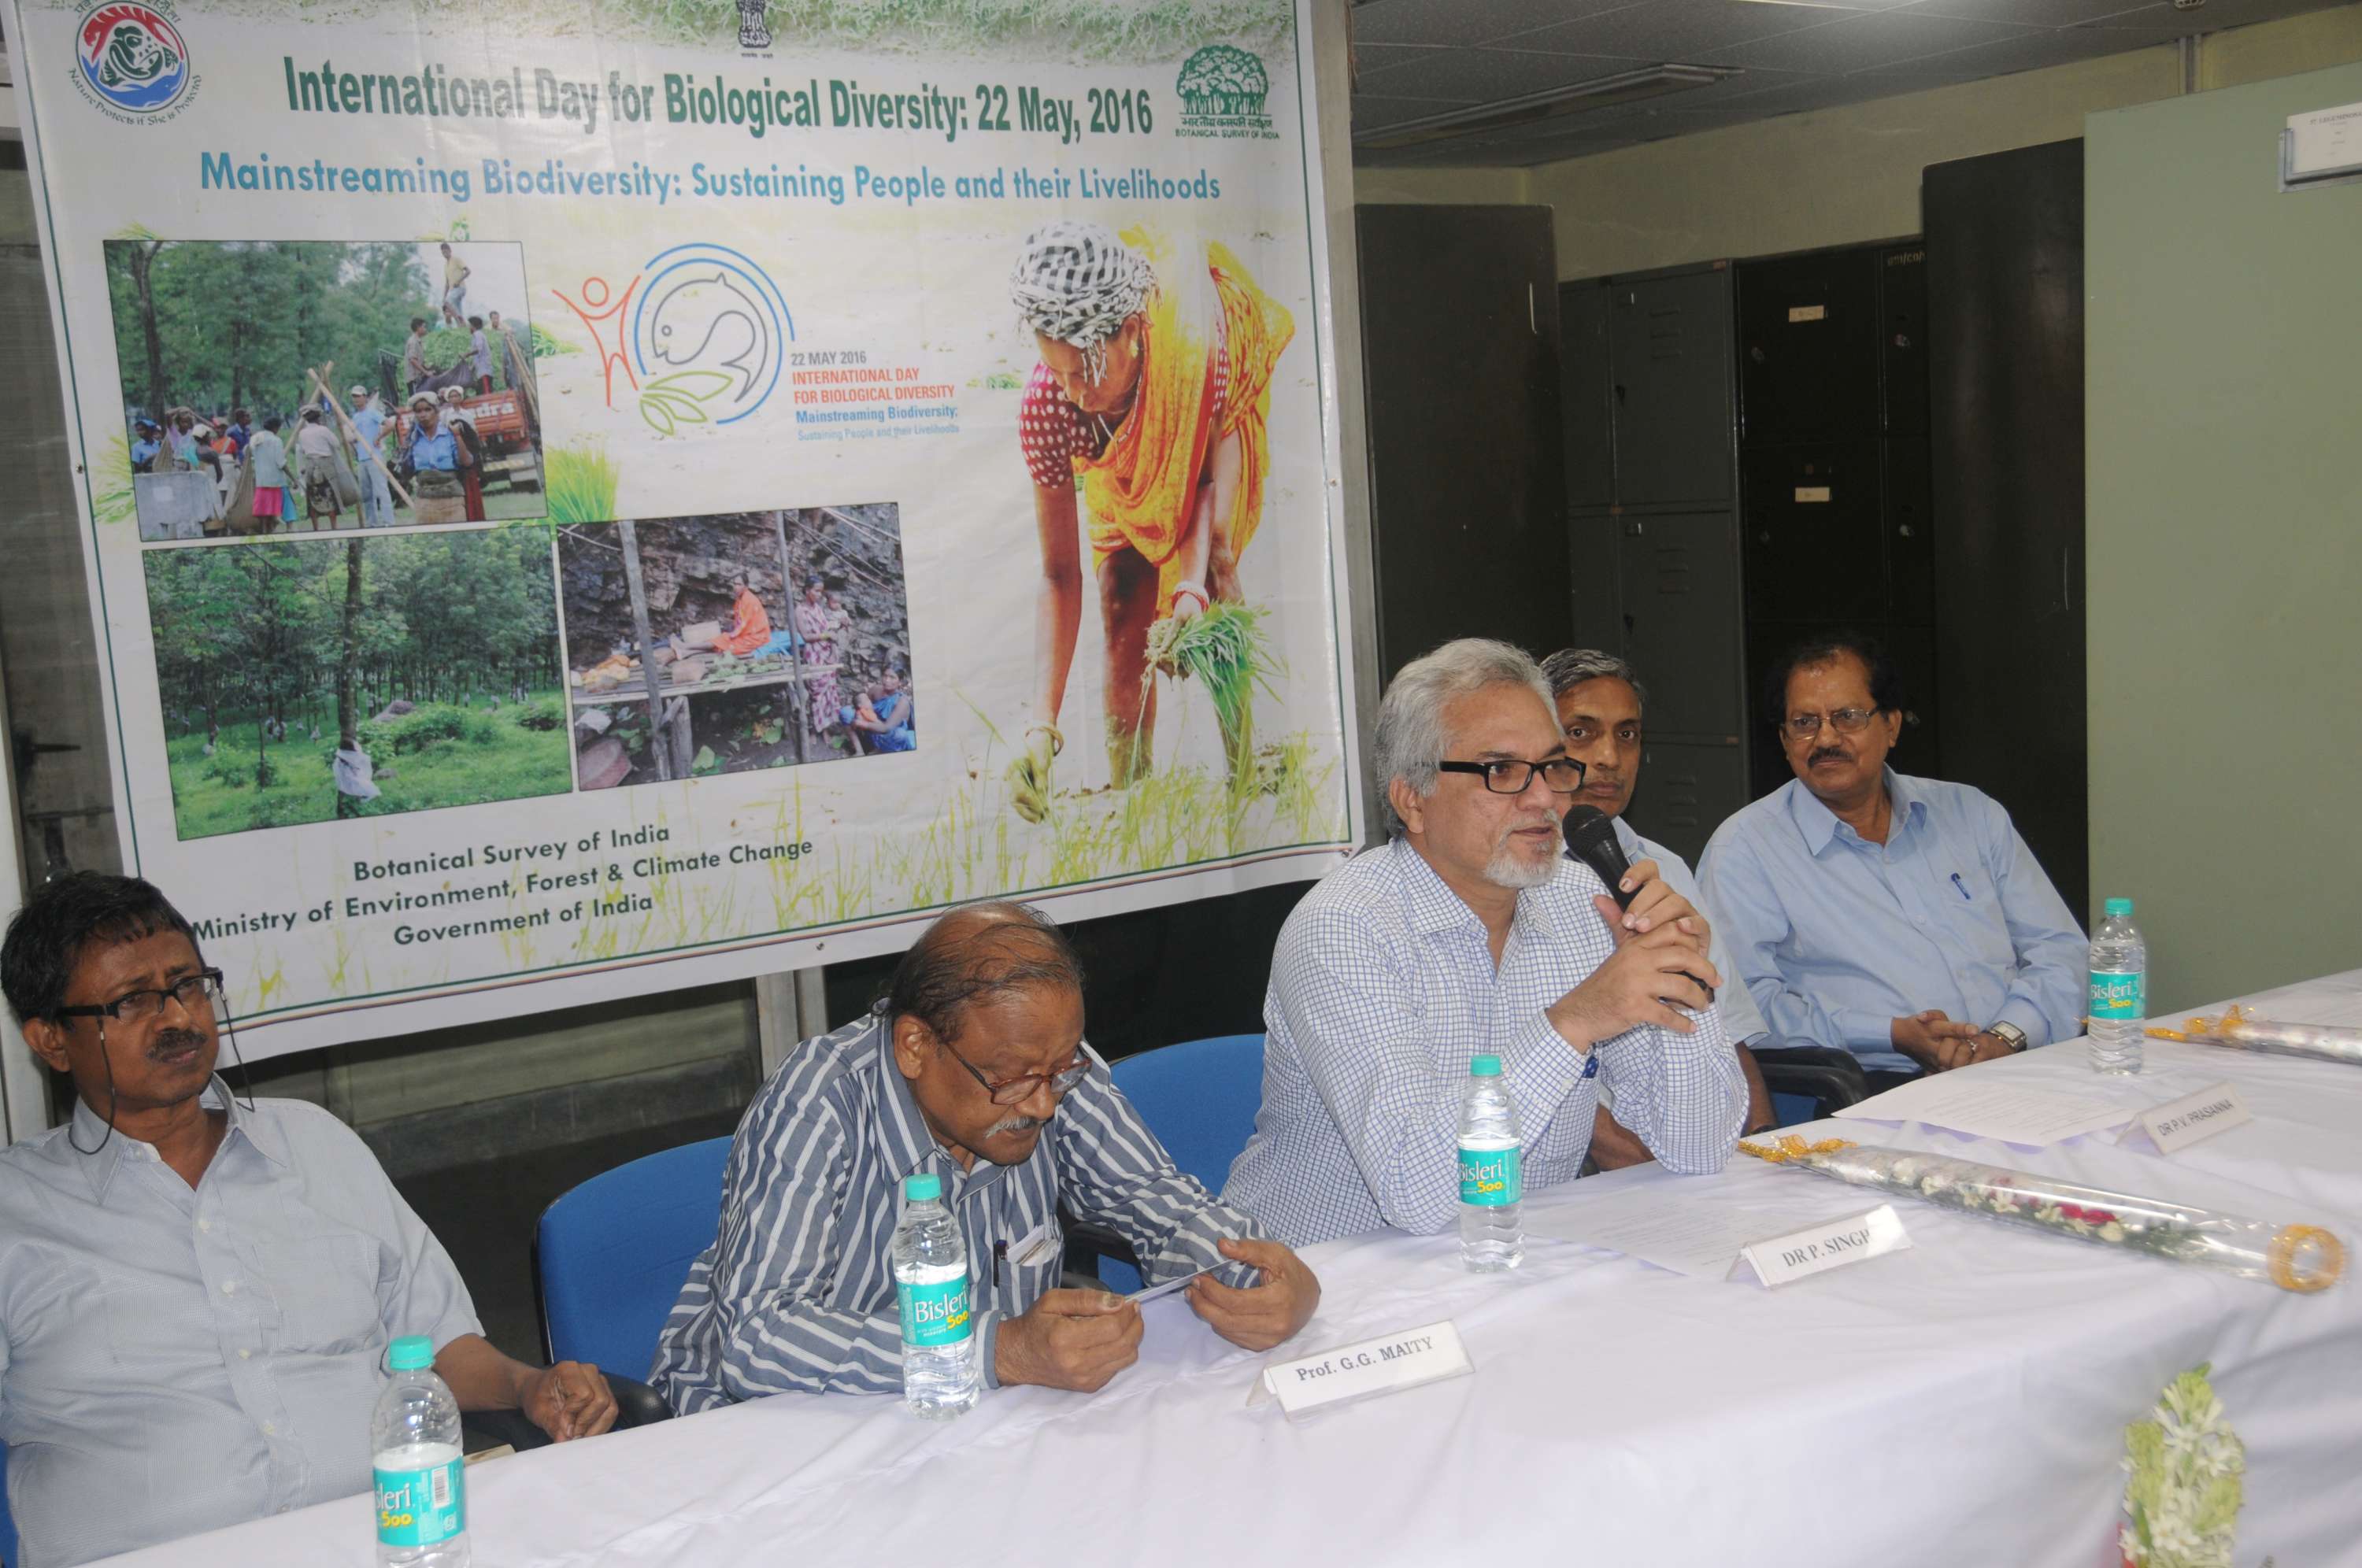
{"x":1680,"y":584}
{"x":1808,"y":336}
{"x":1902,"y":339}
{"x":1670,"y":350}
{"x":1583,"y":397}
{"x":1686,"y":792}
{"x":1910,"y":533}
{"x":1813,"y":547}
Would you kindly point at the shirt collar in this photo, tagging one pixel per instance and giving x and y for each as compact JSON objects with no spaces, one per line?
{"x":1435,"y":908}
{"x":1819,"y":824}
{"x":911,"y":1146}
{"x":86,"y":1130}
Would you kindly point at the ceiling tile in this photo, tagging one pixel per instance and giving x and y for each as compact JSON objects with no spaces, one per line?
{"x":2033,"y":53}
{"x":2025,"y":13}
{"x":1463,"y":22}
{"x":2212,"y":17}
{"x":1377,"y":114}
{"x":1487,"y":75}
{"x":1868,"y":43}
{"x":1369,"y":57}
{"x":1691,"y":30}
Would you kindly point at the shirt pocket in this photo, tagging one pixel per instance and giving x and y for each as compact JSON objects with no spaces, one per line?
{"x":327,"y":1288}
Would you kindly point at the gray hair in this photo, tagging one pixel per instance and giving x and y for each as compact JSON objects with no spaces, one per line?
{"x":1570,"y":667}
{"x":1410,"y":739}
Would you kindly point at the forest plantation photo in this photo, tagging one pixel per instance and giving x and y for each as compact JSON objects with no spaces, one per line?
{"x":360,"y":677}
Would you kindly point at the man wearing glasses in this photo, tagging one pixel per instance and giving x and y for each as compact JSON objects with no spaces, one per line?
{"x":972,"y":1067}
{"x":1471,"y":932}
{"x":195,"y":1293}
{"x":1900,"y":918}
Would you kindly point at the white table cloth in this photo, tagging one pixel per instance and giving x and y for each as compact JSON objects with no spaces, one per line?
{"x":1962,"y":1402}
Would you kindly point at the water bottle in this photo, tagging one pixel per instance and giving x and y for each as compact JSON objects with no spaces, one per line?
{"x":422,"y":1494}
{"x":940,"y":1375}
{"x":1491,"y":1184}
{"x":2119,"y":1004}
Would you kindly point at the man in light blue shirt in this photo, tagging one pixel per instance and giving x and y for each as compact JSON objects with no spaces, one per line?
{"x":1600,"y":702}
{"x":1472,"y":932}
{"x":365,"y":437}
{"x":1900,"y":918}
{"x":196,"y":1293}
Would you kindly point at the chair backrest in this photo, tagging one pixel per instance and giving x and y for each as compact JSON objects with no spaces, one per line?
{"x":1199,"y":1098}
{"x":8,"y":1525}
{"x":611,"y":1255}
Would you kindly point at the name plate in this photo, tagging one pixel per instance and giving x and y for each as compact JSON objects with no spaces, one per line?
{"x":1832,"y":1244}
{"x":2194,"y":1117}
{"x":1365,"y":1369}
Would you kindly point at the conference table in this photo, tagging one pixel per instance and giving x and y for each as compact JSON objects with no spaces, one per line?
{"x":1962,"y":1401}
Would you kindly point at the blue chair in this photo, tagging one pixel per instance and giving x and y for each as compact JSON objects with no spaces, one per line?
{"x":1200,"y":1098}
{"x":609,"y":1256}
{"x":8,"y":1525}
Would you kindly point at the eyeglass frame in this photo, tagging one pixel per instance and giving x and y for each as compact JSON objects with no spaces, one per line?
{"x":1787,"y":726}
{"x":1485,"y":770}
{"x":210,"y":981}
{"x":1071,"y":1077}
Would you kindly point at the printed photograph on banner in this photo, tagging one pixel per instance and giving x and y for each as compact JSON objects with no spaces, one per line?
{"x":291,"y":387}
{"x":1144,"y":428}
{"x":736,"y":642}
{"x":306,"y":681}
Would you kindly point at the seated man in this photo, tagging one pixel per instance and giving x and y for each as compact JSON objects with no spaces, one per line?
{"x":885,"y":717}
{"x":1471,"y":931}
{"x":1902,"y":919}
{"x":1599,"y":706}
{"x":749,"y":626}
{"x":973,"y":1069}
{"x":195,"y":1295}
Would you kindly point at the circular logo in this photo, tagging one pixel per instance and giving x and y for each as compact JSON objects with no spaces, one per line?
{"x":711,"y":324}
{"x":133,"y":58}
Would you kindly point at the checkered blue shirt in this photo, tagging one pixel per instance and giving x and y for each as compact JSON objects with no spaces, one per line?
{"x":1383,"y":988}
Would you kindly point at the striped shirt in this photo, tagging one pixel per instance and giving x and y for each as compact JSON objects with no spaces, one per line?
{"x":176,"y":1359}
{"x":797,"y":1292}
{"x":1382,"y":991}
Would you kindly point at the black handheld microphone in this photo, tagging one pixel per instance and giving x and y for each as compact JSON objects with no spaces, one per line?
{"x":1591,"y":838}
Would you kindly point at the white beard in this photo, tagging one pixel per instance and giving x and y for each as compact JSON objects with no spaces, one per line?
{"x":1508,"y":868}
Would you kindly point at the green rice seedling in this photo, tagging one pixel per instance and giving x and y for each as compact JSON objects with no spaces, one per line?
{"x":581,"y":483}
{"x":1229,"y":652}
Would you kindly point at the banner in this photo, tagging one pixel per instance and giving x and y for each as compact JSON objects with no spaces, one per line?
{"x":591,"y":497}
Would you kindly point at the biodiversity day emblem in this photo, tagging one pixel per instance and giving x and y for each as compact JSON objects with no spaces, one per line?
{"x":603,"y":497}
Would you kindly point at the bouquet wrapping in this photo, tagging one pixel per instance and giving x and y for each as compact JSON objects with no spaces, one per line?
{"x":2243,"y":1031}
{"x":2294,"y":1257}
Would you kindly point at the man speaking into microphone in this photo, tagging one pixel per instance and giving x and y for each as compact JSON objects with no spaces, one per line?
{"x":1471,"y":932}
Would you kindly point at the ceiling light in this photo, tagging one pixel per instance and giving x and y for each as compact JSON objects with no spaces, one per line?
{"x":1581,"y":98}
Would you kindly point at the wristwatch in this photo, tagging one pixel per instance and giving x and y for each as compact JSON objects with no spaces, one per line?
{"x":2009,"y":1035}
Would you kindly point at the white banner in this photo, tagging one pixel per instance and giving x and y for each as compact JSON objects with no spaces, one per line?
{"x":587,"y":499}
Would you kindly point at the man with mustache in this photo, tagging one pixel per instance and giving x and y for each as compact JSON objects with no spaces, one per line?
{"x":195,"y":1293}
{"x":972,"y":1067}
{"x":1600,"y":700}
{"x":1900,"y":918}
{"x":1472,"y":932}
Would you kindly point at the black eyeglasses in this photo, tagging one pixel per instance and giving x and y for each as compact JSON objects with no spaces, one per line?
{"x":196,"y":993}
{"x":1845,"y":721}
{"x":1019,"y":1089}
{"x":1563,"y":775}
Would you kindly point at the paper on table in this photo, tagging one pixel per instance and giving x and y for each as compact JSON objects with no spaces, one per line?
{"x":1987,"y":1106}
{"x":1691,"y":1225}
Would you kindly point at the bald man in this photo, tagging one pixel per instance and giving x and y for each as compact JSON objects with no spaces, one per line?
{"x":973,"y":1069}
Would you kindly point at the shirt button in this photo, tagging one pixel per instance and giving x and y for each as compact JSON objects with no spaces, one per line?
{"x":245,"y":1354}
{"x":204,"y":1224}
{"x":270,"y":1429}
{"x":229,"y":1287}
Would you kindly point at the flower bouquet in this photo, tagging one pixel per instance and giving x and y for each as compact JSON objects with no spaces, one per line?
{"x":2294,"y":1257}
{"x":2243,"y":1031}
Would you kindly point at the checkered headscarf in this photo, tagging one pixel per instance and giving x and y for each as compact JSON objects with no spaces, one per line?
{"x":1079,"y":283}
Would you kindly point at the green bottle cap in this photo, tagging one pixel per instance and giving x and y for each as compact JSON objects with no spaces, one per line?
{"x":411,"y":1352}
{"x":1485,"y":1068}
{"x":2117,"y":907}
{"x":924,"y":1188}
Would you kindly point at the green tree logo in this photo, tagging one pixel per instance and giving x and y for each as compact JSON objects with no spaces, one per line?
{"x":1221,"y":81}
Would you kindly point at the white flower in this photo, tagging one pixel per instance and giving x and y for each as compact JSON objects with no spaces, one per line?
{"x":2111,"y":1231}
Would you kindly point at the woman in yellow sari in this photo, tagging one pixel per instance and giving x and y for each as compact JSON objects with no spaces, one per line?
{"x":1151,"y":395}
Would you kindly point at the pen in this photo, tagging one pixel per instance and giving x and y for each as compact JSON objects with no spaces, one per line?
{"x":999,"y":1251}
{"x":1963,"y":887}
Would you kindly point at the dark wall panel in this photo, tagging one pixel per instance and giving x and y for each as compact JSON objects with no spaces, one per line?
{"x":2006,"y":324}
{"x":1460,"y":333}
